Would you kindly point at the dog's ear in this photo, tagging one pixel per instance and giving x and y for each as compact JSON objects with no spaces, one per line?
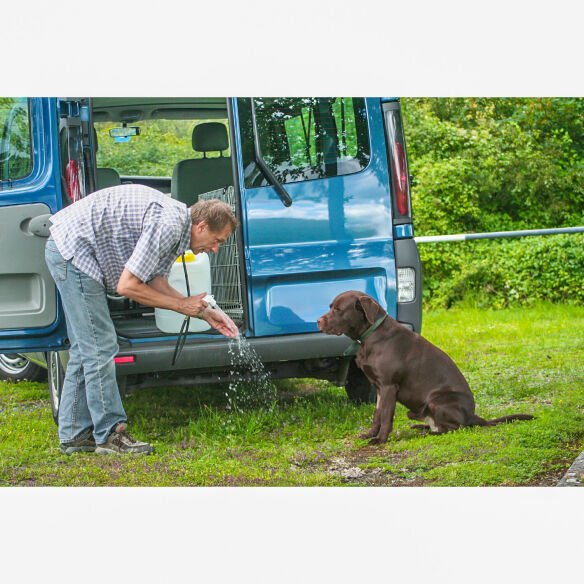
{"x":370,"y":308}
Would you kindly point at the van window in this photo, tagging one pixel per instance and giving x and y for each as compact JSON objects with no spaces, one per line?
{"x":15,"y":139}
{"x":160,"y":145}
{"x":305,"y":138}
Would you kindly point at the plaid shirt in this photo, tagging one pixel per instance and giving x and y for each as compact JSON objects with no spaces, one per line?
{"x":126,"y":226}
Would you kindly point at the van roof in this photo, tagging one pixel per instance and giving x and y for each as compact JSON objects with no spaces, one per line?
{"x":132,"y":109}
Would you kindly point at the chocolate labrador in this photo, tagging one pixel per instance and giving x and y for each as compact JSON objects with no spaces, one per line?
{"x":404,"y":367}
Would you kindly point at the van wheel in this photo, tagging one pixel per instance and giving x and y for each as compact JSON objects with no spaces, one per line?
{"x":358,"y":387}
{"x":56,"y":377}
{"x":16,"y":367}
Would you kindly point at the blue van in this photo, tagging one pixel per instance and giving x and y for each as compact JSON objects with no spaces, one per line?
{"x":320,"y":187}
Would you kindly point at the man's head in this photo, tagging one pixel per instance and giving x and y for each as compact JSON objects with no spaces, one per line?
{"x":213,"y":222}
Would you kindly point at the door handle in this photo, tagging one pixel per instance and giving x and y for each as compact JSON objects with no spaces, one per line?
{"x":39,"y":225}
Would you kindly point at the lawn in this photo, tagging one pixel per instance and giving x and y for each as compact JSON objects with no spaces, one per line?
{"x":526,"y":360}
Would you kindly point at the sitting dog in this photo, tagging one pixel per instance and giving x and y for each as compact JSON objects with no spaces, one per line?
{"x":404,"y":367}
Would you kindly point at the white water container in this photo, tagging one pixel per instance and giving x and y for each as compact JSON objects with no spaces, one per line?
{"x":199,"y":272}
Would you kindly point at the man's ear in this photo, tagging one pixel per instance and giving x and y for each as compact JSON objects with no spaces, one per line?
{"x":370,"y":308}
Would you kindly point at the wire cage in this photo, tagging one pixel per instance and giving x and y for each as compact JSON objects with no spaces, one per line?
{"x":225,"y":275}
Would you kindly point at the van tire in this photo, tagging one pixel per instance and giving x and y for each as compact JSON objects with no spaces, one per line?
{"x":15,"y":367}
{"x":56,"y":372}
{"x":359,"y":389}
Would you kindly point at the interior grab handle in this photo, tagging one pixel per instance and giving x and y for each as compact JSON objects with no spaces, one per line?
{"x":39,"y":225}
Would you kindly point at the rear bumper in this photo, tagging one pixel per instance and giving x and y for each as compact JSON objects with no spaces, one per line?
{"x":203,"y":354}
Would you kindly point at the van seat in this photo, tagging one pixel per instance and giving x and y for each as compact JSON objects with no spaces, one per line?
{"x":194,"y":176}
{"x":107,"y":177}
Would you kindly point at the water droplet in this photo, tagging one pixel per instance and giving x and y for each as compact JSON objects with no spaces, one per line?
{"x":250,"y":386}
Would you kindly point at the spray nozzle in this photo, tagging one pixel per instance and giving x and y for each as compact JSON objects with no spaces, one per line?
{"x":210,"y":300}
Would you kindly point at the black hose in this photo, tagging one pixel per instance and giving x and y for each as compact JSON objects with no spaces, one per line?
{"x":184,"y":329}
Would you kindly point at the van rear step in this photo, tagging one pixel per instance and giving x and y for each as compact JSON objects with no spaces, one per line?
{"x":214,"y":352}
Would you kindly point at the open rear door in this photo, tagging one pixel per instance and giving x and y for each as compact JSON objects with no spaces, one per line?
{"x":316,"y":207}
{"x":31,"y":318}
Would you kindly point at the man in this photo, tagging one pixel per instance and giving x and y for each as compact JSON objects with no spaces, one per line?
{"x":123,"y":239}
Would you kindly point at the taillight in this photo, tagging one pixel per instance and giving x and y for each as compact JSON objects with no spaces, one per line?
{"x":399,"y":163}
{"x":400,"y":178}
{"x":72,"y":176}
{"x":406,"y":284}
{"x":126,"y":359}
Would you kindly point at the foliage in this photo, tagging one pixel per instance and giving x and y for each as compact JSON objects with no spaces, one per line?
{"x":160,"y":145}
{"x":494,"y":164}
{"x":516,"y":361}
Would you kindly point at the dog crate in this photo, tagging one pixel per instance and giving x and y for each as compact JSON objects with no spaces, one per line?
{"x":225,"y":275}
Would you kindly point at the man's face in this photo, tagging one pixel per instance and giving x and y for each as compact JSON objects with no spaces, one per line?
{"x":203,"y":239}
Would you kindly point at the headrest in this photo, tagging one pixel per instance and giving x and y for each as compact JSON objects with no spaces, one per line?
{"x":210,"y":137}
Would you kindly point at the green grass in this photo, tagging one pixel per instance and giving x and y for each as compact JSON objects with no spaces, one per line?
{"x":526,"y":360}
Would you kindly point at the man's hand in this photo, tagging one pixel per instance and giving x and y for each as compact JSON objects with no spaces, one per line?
{"x":221,"y":322}
{"x":192,"y":305}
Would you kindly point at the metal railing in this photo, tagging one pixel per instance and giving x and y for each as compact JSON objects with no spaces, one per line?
{"x":497,"y":234}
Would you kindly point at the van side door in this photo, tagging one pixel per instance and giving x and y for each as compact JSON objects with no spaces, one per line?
{"x":30,"y":192}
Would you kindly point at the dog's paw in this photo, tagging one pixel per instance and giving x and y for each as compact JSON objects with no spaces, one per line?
{"x":422,"y":428}
{"x":366,"y":436}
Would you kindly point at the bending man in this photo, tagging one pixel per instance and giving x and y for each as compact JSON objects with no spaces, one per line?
{"x":122,"y":239}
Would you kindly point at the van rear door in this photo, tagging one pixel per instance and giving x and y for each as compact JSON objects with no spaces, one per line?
{"x":334,"y":233}
{"x":30,"y":191}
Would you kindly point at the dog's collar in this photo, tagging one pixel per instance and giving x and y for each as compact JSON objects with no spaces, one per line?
{"x":356,"y":344}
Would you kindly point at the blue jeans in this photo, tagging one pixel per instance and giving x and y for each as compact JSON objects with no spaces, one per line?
{"x":90,"y":397}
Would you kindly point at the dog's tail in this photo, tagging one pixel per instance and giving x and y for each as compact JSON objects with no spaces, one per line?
{"x":477,"y":421}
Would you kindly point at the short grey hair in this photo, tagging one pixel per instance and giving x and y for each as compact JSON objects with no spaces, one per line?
{"x":215,"y":213}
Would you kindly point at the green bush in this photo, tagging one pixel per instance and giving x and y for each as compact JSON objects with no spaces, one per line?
{"x":497,"y":164}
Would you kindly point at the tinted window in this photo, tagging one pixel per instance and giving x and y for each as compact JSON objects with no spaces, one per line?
{"x":15,"y":142}
{"x":305,"y":138}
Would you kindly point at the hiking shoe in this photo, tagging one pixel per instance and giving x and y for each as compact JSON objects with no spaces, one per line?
{"x":85,"y":443}
{"x":120,"y":441}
